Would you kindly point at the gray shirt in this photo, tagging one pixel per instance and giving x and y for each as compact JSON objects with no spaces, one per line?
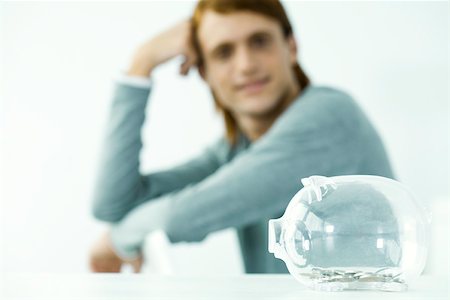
{"x":323,"y":132}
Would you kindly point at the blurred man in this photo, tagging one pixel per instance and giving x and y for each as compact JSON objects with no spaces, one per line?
{"x":279,"y":129}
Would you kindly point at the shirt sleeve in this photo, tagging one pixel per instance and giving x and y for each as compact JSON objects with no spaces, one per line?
{"x":318,"y":136}
{"x":120,"y":186}
{"x":134,"y":81}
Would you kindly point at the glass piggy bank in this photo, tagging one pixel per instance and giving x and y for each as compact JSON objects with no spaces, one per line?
{"x":352,"y":233}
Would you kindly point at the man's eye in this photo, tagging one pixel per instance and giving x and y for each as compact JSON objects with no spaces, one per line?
{"x":260,"y":41}
{"x":223,"y":52}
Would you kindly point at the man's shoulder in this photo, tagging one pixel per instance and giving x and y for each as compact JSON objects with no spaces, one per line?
{"x":317,"y":107}
{"x":324,"y":97}
{"x":324,"y":101}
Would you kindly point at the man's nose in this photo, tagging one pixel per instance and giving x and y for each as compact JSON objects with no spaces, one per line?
{"x":246,"y":62}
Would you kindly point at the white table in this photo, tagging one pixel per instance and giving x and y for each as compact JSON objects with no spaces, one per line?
{"x":140,"y":286}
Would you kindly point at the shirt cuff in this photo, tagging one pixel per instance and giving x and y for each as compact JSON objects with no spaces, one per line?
{"x":135,"y":81}
{"x":128,"y":236}
{"x":125,"y":253}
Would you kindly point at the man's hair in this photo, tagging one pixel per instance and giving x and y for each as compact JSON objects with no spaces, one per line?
{"x":270,"y":8}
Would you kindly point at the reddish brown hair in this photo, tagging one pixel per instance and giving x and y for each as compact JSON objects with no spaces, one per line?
{"x":270,"y":8}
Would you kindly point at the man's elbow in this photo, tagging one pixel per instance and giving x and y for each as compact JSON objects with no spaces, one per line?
{"x":106,"y":215}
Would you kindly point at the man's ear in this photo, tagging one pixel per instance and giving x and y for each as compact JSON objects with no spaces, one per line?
{"x":201,"y":71}
{"x":292,"y":45}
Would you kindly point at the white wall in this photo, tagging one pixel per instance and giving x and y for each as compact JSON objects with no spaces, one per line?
{"x":57,"y":65}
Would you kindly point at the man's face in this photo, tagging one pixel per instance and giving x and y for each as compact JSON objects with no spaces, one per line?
{"x":247,"y":61}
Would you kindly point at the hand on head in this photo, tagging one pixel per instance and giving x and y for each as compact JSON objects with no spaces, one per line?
{"x":170,"y":43}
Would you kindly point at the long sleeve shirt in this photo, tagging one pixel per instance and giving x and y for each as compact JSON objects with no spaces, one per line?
{"x":323,"y":132}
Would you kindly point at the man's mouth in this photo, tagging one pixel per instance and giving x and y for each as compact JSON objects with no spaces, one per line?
{"x":253,"y":86}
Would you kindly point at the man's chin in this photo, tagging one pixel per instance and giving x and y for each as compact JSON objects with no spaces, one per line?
{"x":257,"y":111}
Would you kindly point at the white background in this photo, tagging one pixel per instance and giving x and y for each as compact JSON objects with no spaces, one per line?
{"x":58,"y":61}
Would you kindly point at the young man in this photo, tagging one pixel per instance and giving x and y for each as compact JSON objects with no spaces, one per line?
{"x":279,"y":129}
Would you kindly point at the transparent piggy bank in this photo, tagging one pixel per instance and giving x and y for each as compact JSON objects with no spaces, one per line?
{"x":352,"y":233}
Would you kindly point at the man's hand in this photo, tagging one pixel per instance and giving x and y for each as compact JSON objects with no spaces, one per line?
{"x":104,"y":259}
{"x":165,"y":46}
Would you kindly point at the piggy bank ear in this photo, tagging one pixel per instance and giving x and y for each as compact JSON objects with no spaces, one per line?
{"x":320,"y":185}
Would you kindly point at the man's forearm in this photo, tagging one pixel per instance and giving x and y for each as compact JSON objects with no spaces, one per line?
{"x":118,"y":184}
